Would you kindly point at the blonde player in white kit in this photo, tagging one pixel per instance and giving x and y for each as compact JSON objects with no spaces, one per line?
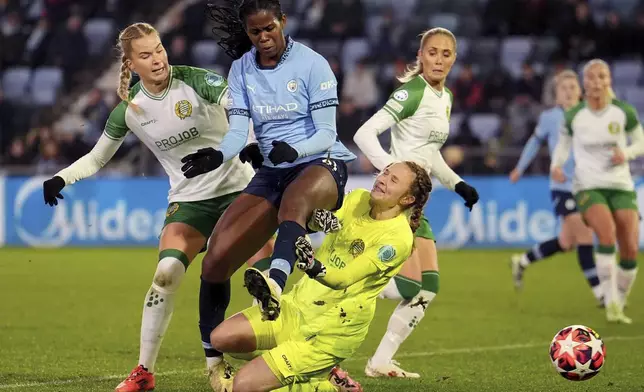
{"x":418,"y":114}
{"x":597,"y":130}
{"x":174,"y":111}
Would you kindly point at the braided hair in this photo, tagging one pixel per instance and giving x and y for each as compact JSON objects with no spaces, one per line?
{"x":420,"y":189}
{"x":229,"y":17}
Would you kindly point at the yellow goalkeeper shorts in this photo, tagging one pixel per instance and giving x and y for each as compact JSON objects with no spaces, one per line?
{"x":291,"y":357}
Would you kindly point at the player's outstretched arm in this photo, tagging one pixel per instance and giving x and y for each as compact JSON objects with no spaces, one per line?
{"x":86,"y":166}
{"x":366,"y":138}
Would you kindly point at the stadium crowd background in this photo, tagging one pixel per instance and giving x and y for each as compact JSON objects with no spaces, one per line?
{"x":53,"y":53}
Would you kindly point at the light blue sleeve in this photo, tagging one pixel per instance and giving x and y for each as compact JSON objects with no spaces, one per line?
{"x":239,"y":115}
{"x":324,"y":136}
{"x":322,"y":88}
{"x":532,"y":146}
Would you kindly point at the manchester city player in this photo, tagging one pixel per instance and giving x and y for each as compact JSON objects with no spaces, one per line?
{"x":573,"y":230}
{"x":290,"y":93}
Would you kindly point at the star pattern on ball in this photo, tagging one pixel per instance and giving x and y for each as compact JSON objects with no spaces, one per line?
{"x":567,"y":346}
{"x":595,"y":344}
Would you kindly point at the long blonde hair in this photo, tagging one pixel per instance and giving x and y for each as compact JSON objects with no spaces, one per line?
{"x":129,"y":34}
{"x":609,"y":92}
{"x":416,"y":68}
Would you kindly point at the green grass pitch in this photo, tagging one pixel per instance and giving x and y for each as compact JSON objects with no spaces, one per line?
{"x":69,"y":321}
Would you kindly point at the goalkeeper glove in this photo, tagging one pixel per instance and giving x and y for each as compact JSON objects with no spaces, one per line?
{"x":305,"y":259}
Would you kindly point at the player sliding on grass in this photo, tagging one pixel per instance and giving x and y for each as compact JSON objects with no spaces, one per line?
{"x":596,"y":130}
{"x":418,"y":115}
{"x":290,"y":93}
{"x":573,"y":230}
{"x":173,"y":110}
{"x":326,"y":317}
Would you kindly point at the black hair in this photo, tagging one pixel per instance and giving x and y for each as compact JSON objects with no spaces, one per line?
{"x":229,"y":17}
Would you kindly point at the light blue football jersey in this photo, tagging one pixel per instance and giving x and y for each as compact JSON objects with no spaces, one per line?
{"x":548,"y":127}
{"x":280,"y":100}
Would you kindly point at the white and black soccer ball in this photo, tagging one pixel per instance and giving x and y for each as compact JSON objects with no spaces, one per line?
{"x":577,"y":353}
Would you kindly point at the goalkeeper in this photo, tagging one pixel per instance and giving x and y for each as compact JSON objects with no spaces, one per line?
{"x":326,"y":318}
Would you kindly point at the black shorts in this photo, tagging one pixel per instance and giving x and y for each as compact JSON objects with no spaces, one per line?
{"x":271,"y":182}
{"x":563,"y":203}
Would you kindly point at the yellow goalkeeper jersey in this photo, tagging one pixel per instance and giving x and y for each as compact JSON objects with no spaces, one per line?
{"x":348,"y":312}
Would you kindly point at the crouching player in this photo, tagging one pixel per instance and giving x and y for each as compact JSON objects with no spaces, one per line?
{"x":326,"y":316}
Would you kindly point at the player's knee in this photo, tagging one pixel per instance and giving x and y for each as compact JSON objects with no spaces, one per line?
{"x":243,"y":382}
{"x":606,"y":236}
{"x":169,"y":273}
{"x":220,"y":339}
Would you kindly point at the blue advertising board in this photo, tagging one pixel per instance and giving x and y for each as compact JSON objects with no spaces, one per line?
{"x":130,"y":212}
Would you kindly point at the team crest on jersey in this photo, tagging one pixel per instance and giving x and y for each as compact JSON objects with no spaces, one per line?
{"x":357,"y":247}
{"x":172,"y":209}
{"x":401,"y":95}
{"x":214,"y":80}
{"x":291,"y":86}
{"x":613,"y":128}
{"x":386,"y":253}
{"x":183,"y":109}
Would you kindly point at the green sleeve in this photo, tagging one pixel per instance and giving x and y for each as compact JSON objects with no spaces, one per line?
{"x":116,"y":128}
{"x":404,"y":102}
{"x":209,"y":85}
{"x":451,"y":96}
{"x":569,"y":116}
{"x":632,"y":120}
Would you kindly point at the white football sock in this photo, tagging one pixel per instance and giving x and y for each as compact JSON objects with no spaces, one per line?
{"x":607,"y":276}
{"x":625,"y":280}
{"x":213,"y":361}
{"x":402,"y":322}
{"x":157,"y":309}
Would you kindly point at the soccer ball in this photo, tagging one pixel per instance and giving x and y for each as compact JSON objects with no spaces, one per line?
{"x":577,"y":352}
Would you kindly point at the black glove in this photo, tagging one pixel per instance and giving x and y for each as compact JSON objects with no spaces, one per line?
{"x":203,"y":161}
{"x":51,"y":190}
{"x":281,"y":153}
{"x":251,"y":154}
{"x":468,"y":193}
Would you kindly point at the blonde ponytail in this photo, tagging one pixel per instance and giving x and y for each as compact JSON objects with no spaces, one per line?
{"x":416,"y":68}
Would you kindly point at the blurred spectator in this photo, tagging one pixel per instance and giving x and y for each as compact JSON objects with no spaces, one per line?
{"x":68,"y":49}
{"x":522,"y":115}
{"x":6,"y":122}
{"x":360,"y":86}
{"x":96,"y":113}
{"x":454,"y":157}
{"x":612,"y":41}
{"x":343,"y":19}
{"x":530,"y":17}
{"x":497,"y":90}
{"x":529,"y":85}
{"x":310,"y":25}
{"x":37,"y":46}
{"x":348,"y":120}
{"x":17,"y":154}
{"x":578,"y":38}
{"x":391,"y":82}
{"x":49,"y":162}
{"x":637,"y":35}
{"x":336,"y":67}
{"x":178,"y":52}
{"x":12,"y":40}
{"x":468,"y":92}
{"x":389,"y":35}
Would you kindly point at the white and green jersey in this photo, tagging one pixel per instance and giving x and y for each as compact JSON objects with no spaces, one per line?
{"x":593,"y":135}
{"x":418,"y":116}
{"x":190,"y":114}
